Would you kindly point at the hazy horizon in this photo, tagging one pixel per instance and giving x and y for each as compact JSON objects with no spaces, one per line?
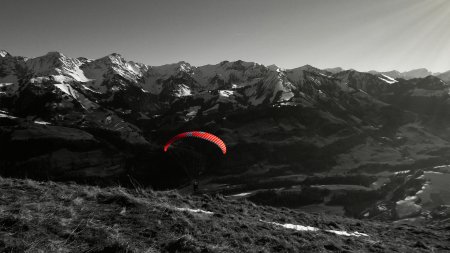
{"x":353,"y":34}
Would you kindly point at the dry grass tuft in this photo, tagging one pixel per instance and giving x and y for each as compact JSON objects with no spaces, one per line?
{"x":57,"y":217}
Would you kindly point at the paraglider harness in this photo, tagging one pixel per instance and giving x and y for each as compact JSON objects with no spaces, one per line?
{"x":195,"y":186}
{"x":192,"y":164}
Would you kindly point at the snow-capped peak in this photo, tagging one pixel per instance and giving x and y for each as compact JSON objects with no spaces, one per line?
{"x":106,"y":68}
{"x":113,"y":58}
{"x":56,"y":63}
{"x":184,"y":67}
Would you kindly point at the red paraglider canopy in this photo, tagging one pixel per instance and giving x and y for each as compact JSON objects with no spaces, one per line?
{"x":197,"y":134}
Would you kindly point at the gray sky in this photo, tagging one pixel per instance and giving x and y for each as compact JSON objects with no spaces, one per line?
{"x":359,"y":34}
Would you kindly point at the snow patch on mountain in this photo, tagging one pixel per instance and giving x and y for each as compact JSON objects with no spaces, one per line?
{"x":191,"y":112}
{"x":4,"y":114}
{"x":415,"y":73}
{"x":89,"y":89}
{"x":182,"y":91}
{"x":226,"y":93}
{"x":69,"y":90}
{"x":3,"y":53}
{"x":66,"y":88}
{"x":387,"y":79}
{"x":327,"y":76}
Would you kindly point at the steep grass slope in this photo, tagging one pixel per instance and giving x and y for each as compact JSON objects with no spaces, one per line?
{"x":57,"y":217}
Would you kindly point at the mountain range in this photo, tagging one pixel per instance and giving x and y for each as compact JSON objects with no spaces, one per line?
{"x":370,"y":145}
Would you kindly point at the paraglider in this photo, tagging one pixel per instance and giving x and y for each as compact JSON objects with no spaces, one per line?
{"x":190,"y":159}
{"x":198,"y":134}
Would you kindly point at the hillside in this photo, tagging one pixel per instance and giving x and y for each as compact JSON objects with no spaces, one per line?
{"x":67,"y":217}
{"x":325,"y":137}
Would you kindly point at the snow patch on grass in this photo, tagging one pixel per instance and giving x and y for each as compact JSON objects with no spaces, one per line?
{"x":184,"y":209}
{"x":345,"y":233}
{"x":293,"y":226}
{"x":314,"y":229}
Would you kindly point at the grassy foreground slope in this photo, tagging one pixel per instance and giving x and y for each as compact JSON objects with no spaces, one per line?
{"x":59,"y":217}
